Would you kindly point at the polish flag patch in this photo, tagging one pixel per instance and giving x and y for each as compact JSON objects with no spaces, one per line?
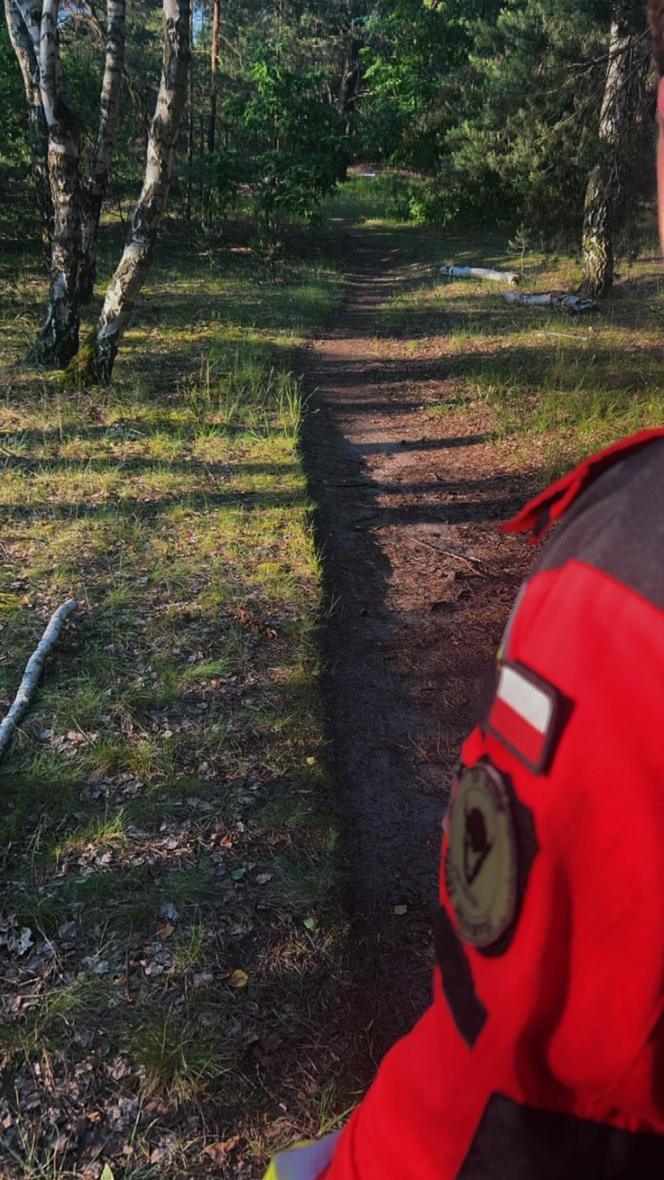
{"x":523,"y":714}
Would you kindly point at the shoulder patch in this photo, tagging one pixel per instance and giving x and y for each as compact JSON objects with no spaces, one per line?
{"x":491,"y":845}
{"x":481,"y":862}
{"x":525,"y":714}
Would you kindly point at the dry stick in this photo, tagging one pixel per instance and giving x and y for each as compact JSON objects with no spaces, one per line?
{"x":441,"y":551}
{"x":33,"y":671}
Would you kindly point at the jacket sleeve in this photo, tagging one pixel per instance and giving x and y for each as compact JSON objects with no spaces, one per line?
{"x":561,"y":1013}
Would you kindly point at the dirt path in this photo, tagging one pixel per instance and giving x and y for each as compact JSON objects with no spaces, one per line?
{"x":421,"y":584}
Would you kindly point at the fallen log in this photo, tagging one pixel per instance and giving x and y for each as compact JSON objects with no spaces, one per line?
{"x":33,"y":671}
{"x":572,"y":304}
{"x":480,"y":272}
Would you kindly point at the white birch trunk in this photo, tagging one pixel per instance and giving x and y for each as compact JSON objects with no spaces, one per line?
{"x":57,"y":342}
{"x":94,"y":189}
{"x":572,"y":304}
{"x":480,"y":272}
{"x":134,"y":265}
{"x":70,"y":209}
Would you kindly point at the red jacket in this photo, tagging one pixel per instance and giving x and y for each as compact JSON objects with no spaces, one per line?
{"x":542,"y":1055}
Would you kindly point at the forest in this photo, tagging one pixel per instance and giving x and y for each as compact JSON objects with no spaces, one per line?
{"x":260,"y":434}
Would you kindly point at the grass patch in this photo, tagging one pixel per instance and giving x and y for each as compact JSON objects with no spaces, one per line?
{"x":170,"y":946}
{"x":150,"y":911}
{"x":545,"y":386}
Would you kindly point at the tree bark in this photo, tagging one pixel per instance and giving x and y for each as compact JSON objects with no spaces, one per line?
{"x":214,"y":61}
{"x":57,"y":341}
{"x":27,"y":56}
{"x":350,"y":81}
{"x":351,"y":78}
{"x":69,"y":208}
{"x":94,"y":189}
{"x":619,"y":108}
{"x":190,"y":136}
{"x":96,"y":361}
{"x":480,"y":272}
{"x":563,"y":300}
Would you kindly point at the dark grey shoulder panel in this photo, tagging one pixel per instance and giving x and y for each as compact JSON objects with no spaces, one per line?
{"x":617,"y":525}
{"x":520,"y":1143}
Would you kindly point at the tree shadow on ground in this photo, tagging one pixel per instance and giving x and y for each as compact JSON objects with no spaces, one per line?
{"x":394,"y":734}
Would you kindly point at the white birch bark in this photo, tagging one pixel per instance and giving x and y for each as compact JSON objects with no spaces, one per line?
{"x":564,"y":301}
{"x":135,"y":263}
{"x":33,"y":671}
{"x":480,"y":272}
{"x":71,"y":208}
{"x":57,"y":342}
{"x":94,"y":189}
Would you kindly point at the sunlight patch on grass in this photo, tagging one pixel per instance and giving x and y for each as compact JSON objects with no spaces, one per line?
{"x":551,"y":387}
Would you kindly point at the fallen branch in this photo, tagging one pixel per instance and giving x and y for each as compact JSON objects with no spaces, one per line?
{"x":33,"y":671}
{"x":572,"y":304}
{"x":471,"y":562}
{"x":480,"y":272}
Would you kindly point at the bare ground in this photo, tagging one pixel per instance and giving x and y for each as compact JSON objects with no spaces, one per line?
{"x":419,"y":583}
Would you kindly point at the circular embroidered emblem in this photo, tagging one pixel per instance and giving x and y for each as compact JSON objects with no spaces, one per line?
{"x":481,"y":861}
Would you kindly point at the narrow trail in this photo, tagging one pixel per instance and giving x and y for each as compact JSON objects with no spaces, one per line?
{"x":420,"y":584}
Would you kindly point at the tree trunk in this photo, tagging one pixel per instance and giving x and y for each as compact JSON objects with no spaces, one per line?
{"x":57,"y":341}
{"x":214,"y":59}
{"x":70,"y":210}
{"x":604,"y":183}
{"x":351,"y":78}
{"x":202,"y":128}
{"x":96,"y":361}
{"x":350,"y":82}
{"x":96,"y":184}
{"x":190,"y":135}
{"x":27,"y":56}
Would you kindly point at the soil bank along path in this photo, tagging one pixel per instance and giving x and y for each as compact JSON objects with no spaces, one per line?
{"x":420,"y":583}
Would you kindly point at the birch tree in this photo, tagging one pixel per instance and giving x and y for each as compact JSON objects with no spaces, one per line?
{"x":58,"y":339}
{"x":70,"y":203}
{"x":622,"y":103}
{"x":96,"y":360}
{"x":96,"y":183}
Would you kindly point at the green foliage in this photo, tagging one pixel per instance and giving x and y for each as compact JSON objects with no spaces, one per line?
{"x":299,"y":137}
{"x":486,"y":112}
{"x":13,"y":147}
{"x":535,"y":133}
{"x":286,"y":148}
{"x":497,"y":102}
{"x":409,"y":60}
{"x":14,"y":156}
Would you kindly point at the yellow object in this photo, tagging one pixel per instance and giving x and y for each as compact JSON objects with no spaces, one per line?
{"x":272,"y":1173}
{"x":303,"y":1161}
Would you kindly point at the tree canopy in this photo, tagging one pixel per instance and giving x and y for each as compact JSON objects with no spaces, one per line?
{"x":486,"y":112}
